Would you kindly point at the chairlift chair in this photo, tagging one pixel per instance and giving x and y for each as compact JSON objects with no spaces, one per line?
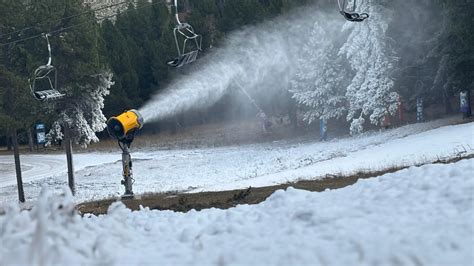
{"x":351,"y":14}
{"x":45,"y":72}
{"x":186,"y":53}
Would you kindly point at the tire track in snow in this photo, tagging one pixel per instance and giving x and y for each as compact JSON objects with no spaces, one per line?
{"x":33,"y":167}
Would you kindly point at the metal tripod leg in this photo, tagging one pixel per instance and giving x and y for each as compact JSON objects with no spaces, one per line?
{"x":127,"y":172}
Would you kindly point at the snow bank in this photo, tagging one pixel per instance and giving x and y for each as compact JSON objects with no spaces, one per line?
{"x":418,"y":216}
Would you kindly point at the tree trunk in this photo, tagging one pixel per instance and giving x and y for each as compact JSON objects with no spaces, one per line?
{"x":9,"y":143}
{"x":16,"y":154}
{"x":448,"y":109}
{"x":70,"y":166}
{"x":30,"y":139}
{"x":293,"y":114}
{"x":469,"y":112}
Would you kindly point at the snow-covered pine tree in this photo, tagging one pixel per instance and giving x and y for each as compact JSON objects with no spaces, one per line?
{"x":82,"y":73}
{"x":318,"y":81}
{"x":84,"y":113}
{"x":368,"y":50}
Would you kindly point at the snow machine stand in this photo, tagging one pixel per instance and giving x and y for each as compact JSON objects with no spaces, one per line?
{"x":123,"y":128}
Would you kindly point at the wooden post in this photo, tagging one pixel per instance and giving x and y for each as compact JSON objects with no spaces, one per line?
{"x":70,"y":166}
{"x":16,"y":155}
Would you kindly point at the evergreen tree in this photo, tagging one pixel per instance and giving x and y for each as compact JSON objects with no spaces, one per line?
{"x":12,"y":99}
{"x":124,"y":91}
{"x":239,"y":13}
{"x":370,"y":93}
{"x":81,"y":75}
{"x":137,"y":47}
{"x":413,"y":34}
{"x":85,"y":116}
{"x":318,"y":82}
{"x":454,"y":50}
{"x":19,"y":107}
{"x":204,"y":17}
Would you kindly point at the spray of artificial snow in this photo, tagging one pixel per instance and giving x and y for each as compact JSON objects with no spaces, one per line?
{"x":249,"y":58}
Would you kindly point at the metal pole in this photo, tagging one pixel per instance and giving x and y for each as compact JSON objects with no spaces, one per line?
{"x":127,"y":171}
{"x":16,"y":155}
{"x":70,"y":166}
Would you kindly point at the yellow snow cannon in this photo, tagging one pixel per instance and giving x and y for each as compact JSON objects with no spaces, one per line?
{"x":125,"y":126}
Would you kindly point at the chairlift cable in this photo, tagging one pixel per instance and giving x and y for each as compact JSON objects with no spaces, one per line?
{"x":68,"y":17}
{"x":47,"y":73}
{"x":42,"y":34}
{"x":70,"y":27}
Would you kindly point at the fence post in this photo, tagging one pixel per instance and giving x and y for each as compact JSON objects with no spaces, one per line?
{"x":16,"y":155}
{"x":70,"y":166}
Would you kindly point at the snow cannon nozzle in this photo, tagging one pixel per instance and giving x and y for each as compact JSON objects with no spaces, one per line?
{"x":124,"y":126}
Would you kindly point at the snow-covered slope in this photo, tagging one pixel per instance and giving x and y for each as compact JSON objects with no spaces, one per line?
{"x":417,"y":216}
{"x":98,"y":175}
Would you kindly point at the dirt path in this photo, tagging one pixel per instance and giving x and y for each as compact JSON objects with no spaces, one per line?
{"x":222,"y":199}
{"x":184,"y":202}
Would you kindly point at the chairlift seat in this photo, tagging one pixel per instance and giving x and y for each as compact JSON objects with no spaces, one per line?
{"x":350,"y":13}
{"x":48,"y":73}
{"x":48,"y":95}
{"x":183,"y":59}
{"x":188,"y":43}
{"x":354,"y":17}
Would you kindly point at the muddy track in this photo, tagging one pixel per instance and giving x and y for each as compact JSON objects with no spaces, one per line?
{"x":184,"y":202}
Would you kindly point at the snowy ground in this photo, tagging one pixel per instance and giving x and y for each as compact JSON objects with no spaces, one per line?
{"x":37,"y":167}
{"x":98,"y":174}
{"x":417,"y":216}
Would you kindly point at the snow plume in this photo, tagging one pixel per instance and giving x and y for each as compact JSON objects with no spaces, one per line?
{"x":331,"y":68}
{"x":252,"y":58}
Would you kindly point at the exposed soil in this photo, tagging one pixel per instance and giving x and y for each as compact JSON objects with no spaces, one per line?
{"x":184,"y":202}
